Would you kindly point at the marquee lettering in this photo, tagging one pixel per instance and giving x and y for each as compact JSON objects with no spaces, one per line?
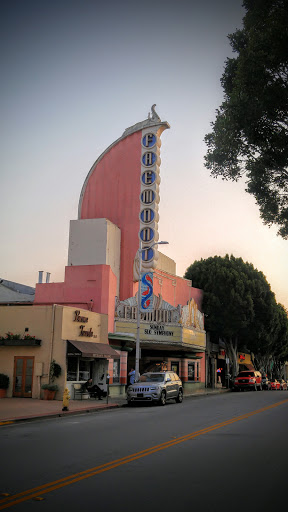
{"x":147,"y":196}
{"x":149,"y":192}
{"x":149,"y":158}
{"x":149,"y":140}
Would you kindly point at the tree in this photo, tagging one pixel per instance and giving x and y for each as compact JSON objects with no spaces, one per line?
{"x":238,"y":304}
{"x":250,"y":134}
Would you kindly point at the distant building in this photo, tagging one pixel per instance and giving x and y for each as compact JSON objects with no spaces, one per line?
{"x":15,"y":293}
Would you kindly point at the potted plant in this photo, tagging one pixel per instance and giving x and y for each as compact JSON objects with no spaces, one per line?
{"x":55,"y":370}
{"x":51,"y":388}
{"x":4,"y":384}
{"x":49,"y":391}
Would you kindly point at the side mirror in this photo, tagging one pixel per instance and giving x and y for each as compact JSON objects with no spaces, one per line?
{"x":168,"y":379}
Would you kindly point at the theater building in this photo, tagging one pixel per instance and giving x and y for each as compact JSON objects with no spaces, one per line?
{"x":118,"y":210}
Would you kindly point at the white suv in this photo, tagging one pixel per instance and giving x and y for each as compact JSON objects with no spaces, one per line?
{"x":156,"y":387}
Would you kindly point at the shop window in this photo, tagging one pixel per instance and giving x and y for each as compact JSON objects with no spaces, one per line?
{"x":116,"y":370}
{"x":194,"y":371}
{"x":191,"y":371}
{"x":72,"y":368}
{"x":84,"y":370}
{"x":77,"y":369}
{"x":175,"y":367}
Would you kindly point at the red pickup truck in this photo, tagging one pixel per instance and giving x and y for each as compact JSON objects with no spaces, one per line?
{"x":248,"y":379}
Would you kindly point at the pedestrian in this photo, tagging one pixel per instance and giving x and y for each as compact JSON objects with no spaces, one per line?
{"x":131,"y":374}
{"x":93,"y":389}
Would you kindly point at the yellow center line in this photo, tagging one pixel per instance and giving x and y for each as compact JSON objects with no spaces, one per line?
{"x":57,"y":484}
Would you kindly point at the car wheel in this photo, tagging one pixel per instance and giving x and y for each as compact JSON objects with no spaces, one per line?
{"x":179,"y":398}
{"x":130,"y":403}
{"x":162,"y":400}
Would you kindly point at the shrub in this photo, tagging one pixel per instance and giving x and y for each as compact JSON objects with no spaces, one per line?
{"x":51,"y":387}
{"x":55,"y":370}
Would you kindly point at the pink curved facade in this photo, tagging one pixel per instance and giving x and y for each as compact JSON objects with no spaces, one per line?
{"x":107,"y":233}
{"x":112,"y":191}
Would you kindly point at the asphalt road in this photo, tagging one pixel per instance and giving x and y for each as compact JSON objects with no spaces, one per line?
{"x":212,"y":453}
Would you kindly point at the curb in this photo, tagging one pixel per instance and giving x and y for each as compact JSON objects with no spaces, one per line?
{"x":48,"y":415}
{"x":44,"y":416}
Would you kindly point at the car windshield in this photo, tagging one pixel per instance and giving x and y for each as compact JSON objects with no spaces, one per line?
{"x":246,"y":374}
{"x":152,"y":377}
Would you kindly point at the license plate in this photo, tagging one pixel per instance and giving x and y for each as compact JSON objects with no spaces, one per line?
{"x":139,"y":395}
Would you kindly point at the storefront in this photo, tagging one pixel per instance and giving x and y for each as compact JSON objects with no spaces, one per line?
{"x":170,"y":338}
{"x":35,"y":336}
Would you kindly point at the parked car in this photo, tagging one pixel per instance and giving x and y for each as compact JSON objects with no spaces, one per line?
{"x":156,"y":387}
{"x":283,"y":384}
{"x":266,"y":384}
{"x":275,"y":384}
{"x":248,"y":379}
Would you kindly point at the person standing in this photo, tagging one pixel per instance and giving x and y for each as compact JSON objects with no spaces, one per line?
{"x":131,"y":374}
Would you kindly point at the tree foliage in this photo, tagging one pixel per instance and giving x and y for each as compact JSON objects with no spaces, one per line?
{"x":240,"y":307}
{"x":250,"y":134}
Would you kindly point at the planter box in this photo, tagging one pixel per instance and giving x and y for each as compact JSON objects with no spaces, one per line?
{"x":20,"y":343}
{"x":48,"y":394}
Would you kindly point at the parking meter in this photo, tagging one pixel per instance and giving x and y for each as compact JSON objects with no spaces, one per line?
{"x":107,"y":382}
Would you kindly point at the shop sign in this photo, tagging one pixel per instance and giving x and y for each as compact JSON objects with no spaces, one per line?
{"x":244,"y":358}
{"x":78,"y":318}
{"x":87,"y":333}
{"x":146,"y":292}
{"x":149,"y":197}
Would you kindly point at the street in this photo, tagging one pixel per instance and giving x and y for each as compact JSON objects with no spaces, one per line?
{"x":211,"y":452}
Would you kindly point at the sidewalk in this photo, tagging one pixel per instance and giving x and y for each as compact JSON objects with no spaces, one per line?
{"x":13,"y":410}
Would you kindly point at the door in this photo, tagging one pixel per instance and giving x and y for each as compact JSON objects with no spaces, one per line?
{"x":23,"y":376}
{"x":175,"y":367}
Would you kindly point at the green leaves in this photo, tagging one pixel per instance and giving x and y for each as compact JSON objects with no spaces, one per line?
{"x":238,"y":303}
{"x":250,"y":133}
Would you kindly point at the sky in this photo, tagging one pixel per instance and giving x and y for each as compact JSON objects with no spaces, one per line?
{"x":74,"y":76}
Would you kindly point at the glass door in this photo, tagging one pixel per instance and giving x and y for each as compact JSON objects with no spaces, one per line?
{"x":23,"y":376}
{"x":175,"y":367}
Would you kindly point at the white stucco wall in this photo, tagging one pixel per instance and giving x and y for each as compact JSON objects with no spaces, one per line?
{"x":95,"y":242}
{"x":166,"y":264}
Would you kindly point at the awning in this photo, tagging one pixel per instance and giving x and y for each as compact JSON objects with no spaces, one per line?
{"x":90,"y":349}
{"x":249,"y":366}
{"x":245,"y":367}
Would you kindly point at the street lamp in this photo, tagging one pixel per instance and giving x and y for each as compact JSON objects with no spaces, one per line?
{"x":137,"y":357}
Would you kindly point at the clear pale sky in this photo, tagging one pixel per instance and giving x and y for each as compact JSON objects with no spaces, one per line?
{"x":74,"y":75}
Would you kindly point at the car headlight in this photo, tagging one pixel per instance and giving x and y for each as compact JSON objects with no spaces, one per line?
{"x":153,"y":389}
